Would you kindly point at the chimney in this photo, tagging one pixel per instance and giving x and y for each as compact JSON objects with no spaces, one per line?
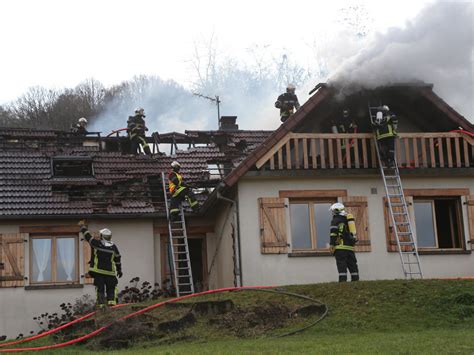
{"x":228,"y":123}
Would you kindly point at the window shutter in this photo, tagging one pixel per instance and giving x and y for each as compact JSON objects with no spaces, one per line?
{"x":12,"y":259}
{"x":389,"y":232}
{"x":273,"y":239}
{"x":470,"y":217}
{"x":358,"y":207}
{"x":86,"y":253}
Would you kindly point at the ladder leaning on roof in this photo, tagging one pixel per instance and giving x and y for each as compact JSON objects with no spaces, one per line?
{"x":178,"y":250}
{"x":399,"y":216}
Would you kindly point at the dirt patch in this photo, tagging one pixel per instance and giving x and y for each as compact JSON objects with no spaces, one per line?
{"x":178,"y":324}
{"x":253,"y":321}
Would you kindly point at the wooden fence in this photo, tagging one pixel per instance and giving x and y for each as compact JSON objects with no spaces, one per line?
{"x":357,"y":151}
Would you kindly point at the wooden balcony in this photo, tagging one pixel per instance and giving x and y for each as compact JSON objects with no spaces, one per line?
{"x":321,"y":151}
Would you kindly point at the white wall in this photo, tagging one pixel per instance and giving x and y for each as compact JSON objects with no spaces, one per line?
{"x":270,"y":269}
{"x":135,"y":241}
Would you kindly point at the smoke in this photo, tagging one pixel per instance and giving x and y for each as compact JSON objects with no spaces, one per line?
{"x":436,"y":47}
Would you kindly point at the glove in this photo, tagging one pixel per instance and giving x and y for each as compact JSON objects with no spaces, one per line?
{"x":82,"y":223}
{"x":332,"y":249}
{"x":119,"y":274}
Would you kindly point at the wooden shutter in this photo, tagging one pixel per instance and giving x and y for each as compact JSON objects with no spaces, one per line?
{"x":358,"y":207}
{"x":389,"y":231}
{"x":12,"y":259}
{"x":86,"y":253}
{"x":470,"y":217}
{"x":273,"y":239}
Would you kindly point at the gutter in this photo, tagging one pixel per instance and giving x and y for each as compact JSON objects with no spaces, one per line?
{"x":219,"y":188}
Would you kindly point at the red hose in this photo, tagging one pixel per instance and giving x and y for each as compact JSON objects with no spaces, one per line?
{"x":52,"y":331}
{"x":149,"y":308}
{"x":463,"y":131}
{"x":116,"y":131}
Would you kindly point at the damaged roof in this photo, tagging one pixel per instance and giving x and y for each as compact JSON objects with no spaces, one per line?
{"x":36,"y":168}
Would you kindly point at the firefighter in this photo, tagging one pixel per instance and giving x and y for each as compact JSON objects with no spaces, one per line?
{"x":80,"y":127}
{"x":136,"y":131}
{"x":179,"y":191}
{"x":343,"y":237}
{"x":385,"y":127}
{"x":104,"y":265}
{"x":345,"y":125}
{"x":287,"y":103}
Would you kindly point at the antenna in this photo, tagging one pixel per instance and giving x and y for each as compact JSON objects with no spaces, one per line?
{"x":213,"y":99}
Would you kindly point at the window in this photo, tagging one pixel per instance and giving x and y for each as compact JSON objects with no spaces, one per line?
{"x":72,"y":167}
{"x":438,"y":223}
{"x":54,"y":259}
{"x":310,"y":223}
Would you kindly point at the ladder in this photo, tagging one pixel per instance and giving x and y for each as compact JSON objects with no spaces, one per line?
{"x":399,"y":215}
{"x":178,"y":250}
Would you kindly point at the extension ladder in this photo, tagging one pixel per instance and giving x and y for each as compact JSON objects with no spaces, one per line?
{"x":399,"y":216}
{"x":178,"y":250}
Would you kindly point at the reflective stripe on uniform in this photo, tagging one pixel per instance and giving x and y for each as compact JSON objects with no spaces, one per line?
{"x":344,"y":247}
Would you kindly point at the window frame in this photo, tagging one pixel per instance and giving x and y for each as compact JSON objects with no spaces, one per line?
{"x":433,"y":216}
{"x":312,"y":222}
{"x":54,"y":237}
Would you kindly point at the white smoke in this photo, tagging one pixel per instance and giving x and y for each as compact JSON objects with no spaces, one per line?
{"x":436,"y":47}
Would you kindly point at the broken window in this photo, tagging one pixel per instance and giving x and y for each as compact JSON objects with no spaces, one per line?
{"x":438,"y":223}
{"x":72,"y":167}
{"x":54,"y":259}
{"x":310,"y":224}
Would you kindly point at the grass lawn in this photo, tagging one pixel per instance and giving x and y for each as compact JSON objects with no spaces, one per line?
{"x":428,"y":316}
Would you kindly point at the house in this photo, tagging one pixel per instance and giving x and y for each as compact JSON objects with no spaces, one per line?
{"x":265,"y":197}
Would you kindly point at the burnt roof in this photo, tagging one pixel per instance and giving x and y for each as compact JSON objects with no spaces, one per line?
{"x":121,"y":184}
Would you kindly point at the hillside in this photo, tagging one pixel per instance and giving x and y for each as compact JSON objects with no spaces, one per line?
{"x":383,"y":316}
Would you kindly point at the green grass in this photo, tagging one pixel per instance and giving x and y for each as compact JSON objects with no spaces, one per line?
{"x":429,"y":316}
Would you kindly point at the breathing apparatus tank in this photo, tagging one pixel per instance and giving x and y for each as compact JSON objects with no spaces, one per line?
{"x":352,"y":226}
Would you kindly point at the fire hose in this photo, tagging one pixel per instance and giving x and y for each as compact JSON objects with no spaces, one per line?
{"x":116,"y":131}
{"x":149,"y":308}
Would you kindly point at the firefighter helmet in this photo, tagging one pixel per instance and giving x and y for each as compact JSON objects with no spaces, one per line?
{"x":385,"y":108}
{"x":82,"y":121}
{"x":140,"y":111}
{"x":290,"y":89}
{"x":105,"y":234}
{"x":175,"y":165}
{"x":338,"y":208}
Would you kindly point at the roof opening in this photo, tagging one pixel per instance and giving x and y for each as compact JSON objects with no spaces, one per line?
{"x":72,"y":167}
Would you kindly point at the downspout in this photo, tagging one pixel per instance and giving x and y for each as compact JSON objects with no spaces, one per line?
{"x":239,"y":254}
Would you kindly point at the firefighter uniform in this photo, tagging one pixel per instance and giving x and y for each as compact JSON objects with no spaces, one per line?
{"x":385,"y":133}
{"x":287,"y":103}
{"x":79,"y":129}
{"x":179,"y":192}
{"x":136,"y":131}
{"x":104,"y":267}
{"x":342,"y":242}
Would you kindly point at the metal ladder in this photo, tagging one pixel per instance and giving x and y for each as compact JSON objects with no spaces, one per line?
{"x":178,"y":250}
{"x":399,"y":215}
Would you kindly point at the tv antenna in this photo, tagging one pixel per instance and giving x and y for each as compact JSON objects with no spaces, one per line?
{"x":213,"y":99}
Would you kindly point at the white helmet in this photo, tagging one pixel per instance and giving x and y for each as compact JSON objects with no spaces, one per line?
{"x":82,"y":121}
{"x":105,"y":234}
{"x":338,"y":208}
{"x":290,"y":88}
{"x":385,"y":108}
{"x":175,"y":164}
{"x":140,"y":111}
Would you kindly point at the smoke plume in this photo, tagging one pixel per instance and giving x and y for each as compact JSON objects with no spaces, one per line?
{"x":436,"y":47}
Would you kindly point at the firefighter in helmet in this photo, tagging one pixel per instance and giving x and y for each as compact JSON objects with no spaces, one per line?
{"x":385,"y":127}
{"x":136,"y":131}
{"x":179,"y":191}
{"x":80,"y":128}
{"x":287,"y":103}
{"x":104,"y":266}
{"x":343,"y":238}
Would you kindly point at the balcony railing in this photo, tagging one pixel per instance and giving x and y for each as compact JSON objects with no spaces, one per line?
{"x":357,"y":151}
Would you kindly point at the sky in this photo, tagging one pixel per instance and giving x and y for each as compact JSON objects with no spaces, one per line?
{"x":59,"y":43}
